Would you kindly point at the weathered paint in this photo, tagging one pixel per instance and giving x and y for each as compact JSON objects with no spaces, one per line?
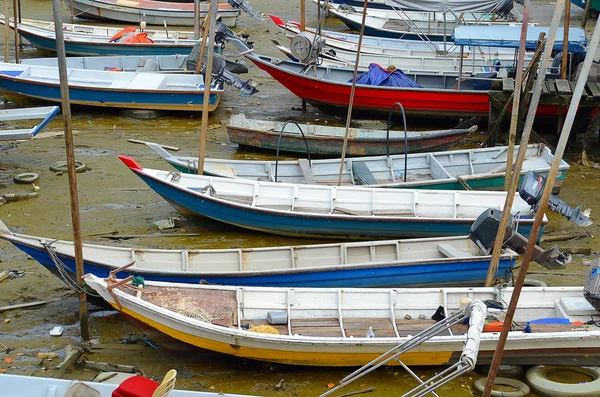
{"x":458,"y":272}
{"x":332,"y":146}
{"x":305,"y":224}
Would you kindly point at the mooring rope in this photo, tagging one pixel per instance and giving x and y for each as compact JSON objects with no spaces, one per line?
{"x":65,"y":274}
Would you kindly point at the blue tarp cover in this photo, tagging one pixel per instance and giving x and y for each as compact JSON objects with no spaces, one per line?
{"x":378,"y":76}
{"x":510,"y":36}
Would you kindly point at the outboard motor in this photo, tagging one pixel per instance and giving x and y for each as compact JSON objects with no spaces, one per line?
{"x":531,"y":189}
{"x":504,"y":8}
{"x":591,"y":288}
{"x":483,"y":233}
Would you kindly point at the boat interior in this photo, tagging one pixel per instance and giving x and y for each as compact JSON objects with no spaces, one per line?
{"x":348,"y":313}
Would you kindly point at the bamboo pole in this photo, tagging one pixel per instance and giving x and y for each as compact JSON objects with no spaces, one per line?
{"x":514,"y":118}
{"x":16,"y":29}
{"x":6,"y":30}
{"x":564,"y":60}
{"x":196,"y":19}
{"x":586,"y":12}
{"x":303,"y":15}
{"x":207,"y":82}
{"x":352,"y":90}
{"x":535,"y":100}
{"x":560,"y":150}
{"x":205,"y":29}
{"x":66,"y":111}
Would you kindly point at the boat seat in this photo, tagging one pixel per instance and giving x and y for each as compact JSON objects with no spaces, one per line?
{"x":147,"y":81}
{"x":452,"y":252}
{"x":306,"y":171}
{"x":362,"y":174}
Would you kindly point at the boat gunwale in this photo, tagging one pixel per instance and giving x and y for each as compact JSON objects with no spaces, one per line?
{"x":31,"y":242}
{"x":300,"y":340}
{"x":298,"y":214}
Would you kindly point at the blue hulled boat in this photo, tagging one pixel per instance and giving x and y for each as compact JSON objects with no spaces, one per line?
{"x":327,"y":211}
{"x":450,"y":261}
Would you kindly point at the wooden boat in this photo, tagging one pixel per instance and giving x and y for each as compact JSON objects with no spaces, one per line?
{"x":327,"y":211}
{"x":477,"y":169}
{"x":433,"y":6}
{"x":408,"y":64}
{"x":153,"y":91}
{"x":329,"y":141}
{"x":440,"y":97}
{"x":130,"y":63}
{"x":450,"y":261}
{"x":348,"y":42}
{"x":15,"y":385}
{"x":151,"y":11}
{"x":328,"y":326}
{"x":9,"y":132}
{"x":395,"y":25}
{"x":87,"y":40}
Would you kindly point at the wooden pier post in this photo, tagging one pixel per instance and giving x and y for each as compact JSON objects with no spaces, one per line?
{"x":16,"y":29}
{"x":6,"y":30}
{"x":535,"y":100}
{"x":196,"y":19}
{"x":514,"y":118}
{"x":303,"y":15}
{"x":69,"y":147}
{"x":352,"y":90}
{"x":560,"y":149}
{"x":207,"y":81}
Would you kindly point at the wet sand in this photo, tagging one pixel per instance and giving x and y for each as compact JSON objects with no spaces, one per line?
{"x":112,"y":199}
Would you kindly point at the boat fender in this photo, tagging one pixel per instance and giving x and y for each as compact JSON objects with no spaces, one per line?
{"x":537,"y":377}
{"x":26,"y":177}
{"x":522,"y":388}
{"x":61,"y":166}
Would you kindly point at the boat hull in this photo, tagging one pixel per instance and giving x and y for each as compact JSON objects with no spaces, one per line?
{"x":91,"y":48}
{"x":314,"y":225}
{"x":325,"y":146}
{"x":517,"y":352}
{"x":113,"y":98}
{"x":328,"y":348}
{"x":122,"y":12}
{"x":420,"y":102}
{"x":435,"y":273}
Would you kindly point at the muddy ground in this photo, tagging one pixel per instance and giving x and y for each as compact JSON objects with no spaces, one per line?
{"x":114,"y":201}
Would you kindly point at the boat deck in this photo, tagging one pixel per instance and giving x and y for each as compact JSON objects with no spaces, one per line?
{"x":226,"y":308}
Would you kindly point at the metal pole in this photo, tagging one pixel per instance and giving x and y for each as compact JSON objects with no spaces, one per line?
{"x":319,"y":11}
{"x":514,"y":118}
{"x":303,"y":15}
{"x":460,"y":65}
{"x":349,"y":117}
{"x":196,"y":19}
{"x":560,"y":149}
{"x":16,"y":29}
{"x":533,"y":105}
{"x":207,"y":82}
{"x":66,"y":111}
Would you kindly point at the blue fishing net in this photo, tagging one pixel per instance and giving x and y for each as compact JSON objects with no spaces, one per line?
{"x":391,"y":77}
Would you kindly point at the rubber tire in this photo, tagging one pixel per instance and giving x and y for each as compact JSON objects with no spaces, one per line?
{"x":522,"y":391}
{"x":531,"y":282}
{"x":537,"y":377}
{"x":26,"y":178}
{"x":61,"y":166}
{"x":504,"y":370}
